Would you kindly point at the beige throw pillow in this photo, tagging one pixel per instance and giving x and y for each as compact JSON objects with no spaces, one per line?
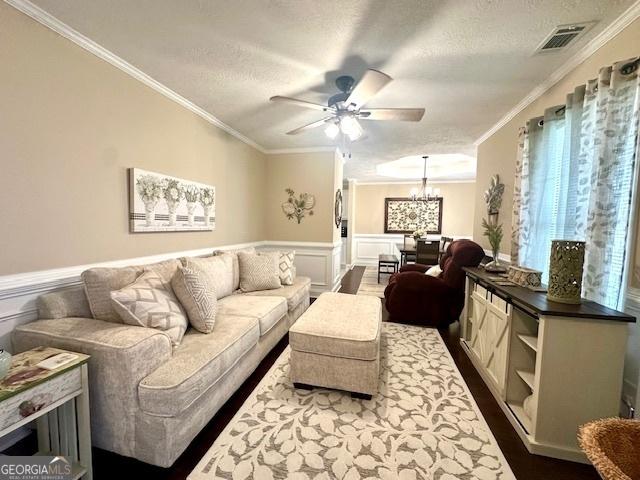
{"x":218,"y":271}
{"x":285,"y":267}
{"x":147,"y":302}
{"x":197,"y":297}
{"x":259,"y":271}
{"x":236,"y":266}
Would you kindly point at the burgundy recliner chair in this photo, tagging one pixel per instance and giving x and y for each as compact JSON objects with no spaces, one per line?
{"x":413,"y":297}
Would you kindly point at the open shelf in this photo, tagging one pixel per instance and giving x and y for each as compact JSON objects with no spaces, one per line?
{"x":522,"y":417}
{"x":528,"y":377}
{"x":530,"y":341}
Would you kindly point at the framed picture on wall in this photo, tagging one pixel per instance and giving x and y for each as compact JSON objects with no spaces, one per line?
{"x":404,"y":215}
{"x":160,"y":203}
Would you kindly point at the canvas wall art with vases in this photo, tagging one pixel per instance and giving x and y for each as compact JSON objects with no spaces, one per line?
{"x":161,"y":203}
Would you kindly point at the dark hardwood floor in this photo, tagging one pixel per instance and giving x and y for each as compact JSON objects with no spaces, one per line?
{"x":107,"y":465}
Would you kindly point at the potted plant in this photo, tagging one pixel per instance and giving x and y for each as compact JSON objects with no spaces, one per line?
{"x":493,"y":229}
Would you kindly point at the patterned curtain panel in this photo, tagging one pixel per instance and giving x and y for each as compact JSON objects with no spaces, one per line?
{"x":575,"y":176}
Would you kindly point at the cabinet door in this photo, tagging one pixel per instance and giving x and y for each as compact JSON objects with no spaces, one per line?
{"x":478,"y":328}
{"x":497,"y":343}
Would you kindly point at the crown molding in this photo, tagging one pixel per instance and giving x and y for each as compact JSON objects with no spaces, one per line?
{"x":619,"y":24}
{"x":51,"y":22}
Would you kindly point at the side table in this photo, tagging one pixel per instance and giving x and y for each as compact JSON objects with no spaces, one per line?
{"x":387,"y":262}
{"x":57,"y":399}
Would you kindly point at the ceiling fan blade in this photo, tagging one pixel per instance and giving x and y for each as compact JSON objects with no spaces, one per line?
{"x":403,"y":114}
{"x":302,"y":103}
{"x":371,"y":83}
{"x":319,"y":123}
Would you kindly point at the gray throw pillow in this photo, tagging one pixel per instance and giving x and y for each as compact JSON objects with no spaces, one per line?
{"x":197,"y":297}
{"x":101,"y":281}
{"x":259,"y":271}
{"x":147,"y":302}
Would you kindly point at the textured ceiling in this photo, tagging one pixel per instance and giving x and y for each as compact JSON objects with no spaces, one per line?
{"x":468,"y":62}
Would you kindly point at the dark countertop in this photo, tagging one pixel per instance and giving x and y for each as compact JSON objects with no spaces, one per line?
{"x":537,"y":302}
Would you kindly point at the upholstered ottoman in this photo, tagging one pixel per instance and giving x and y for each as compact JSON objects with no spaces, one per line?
{"x":336,"y":344}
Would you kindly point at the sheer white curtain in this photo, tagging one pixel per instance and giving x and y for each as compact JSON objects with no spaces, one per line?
{"x":574,"y":180}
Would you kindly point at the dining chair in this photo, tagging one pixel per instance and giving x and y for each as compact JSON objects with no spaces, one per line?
{"x":408,"y":255}
{"x":444,"y":244}
{"x":427,"y":251}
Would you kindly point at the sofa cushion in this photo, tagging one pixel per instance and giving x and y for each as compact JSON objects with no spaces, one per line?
{"x":196,"y":365}
{"x":218,"y":270}
{"x":267,"y":310}
{"x":100,"y":282}
{"x":236,"y":266}
{"x":197,"y":297}
{"x":294,"y":294}
{"x":148,"y":302}
{"x":259,"y":271}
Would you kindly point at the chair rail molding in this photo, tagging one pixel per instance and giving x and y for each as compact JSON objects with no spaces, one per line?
{"x":18,"y":292}
{"x":319,"y":261}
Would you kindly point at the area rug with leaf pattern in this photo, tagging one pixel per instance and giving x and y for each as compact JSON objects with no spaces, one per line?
{"x":423,"y":424}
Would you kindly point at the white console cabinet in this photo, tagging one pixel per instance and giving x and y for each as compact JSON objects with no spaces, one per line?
{"x":566,"y":360}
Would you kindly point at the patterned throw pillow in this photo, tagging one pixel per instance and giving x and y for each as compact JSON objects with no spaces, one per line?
{"x":285,"y":267}
{"x":259,"y":271}
{"x":148,"y":303}
{"x":197,"y":297}
{"x":217,"y":269}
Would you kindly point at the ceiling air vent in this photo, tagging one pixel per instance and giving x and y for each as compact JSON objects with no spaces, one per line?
{"x":562,"y":36}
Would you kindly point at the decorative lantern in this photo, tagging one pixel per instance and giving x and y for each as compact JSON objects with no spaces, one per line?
{"x":565,"y":271}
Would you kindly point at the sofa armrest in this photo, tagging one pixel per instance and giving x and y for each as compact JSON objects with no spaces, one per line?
{"x":121,"y":356}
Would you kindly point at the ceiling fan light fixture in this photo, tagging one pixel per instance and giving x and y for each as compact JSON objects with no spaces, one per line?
{"x":332,"y":130}
{"x":350,"y":127}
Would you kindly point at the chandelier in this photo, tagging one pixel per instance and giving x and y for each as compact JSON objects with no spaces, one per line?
{"x":424,"y":193}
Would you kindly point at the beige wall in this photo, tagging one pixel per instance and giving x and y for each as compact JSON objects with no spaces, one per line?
{"x":498,"y":153}
{"x":312,"y":173}
{"x":70,"y":126}
{"x":457,"y":206}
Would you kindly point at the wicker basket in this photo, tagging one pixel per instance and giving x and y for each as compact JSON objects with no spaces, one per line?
{"x":613,"y":446}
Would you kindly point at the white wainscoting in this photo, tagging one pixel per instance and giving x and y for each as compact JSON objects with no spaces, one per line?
{"x":318,"y":261}
{"x":367,"y":246}
{"x":18,"y":293}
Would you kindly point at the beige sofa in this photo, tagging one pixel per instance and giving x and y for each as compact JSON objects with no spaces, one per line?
{"x":148,"y":401}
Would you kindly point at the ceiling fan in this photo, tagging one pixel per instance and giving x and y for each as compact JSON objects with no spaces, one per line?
{"x":345,"y":108}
